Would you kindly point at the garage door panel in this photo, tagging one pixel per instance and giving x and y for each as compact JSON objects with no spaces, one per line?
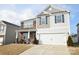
{"x":53,"y":38}
{"x":46,"y":38}
{"x":60,"y":38}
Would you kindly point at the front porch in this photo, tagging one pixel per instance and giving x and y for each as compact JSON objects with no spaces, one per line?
{"x":26,"y":36}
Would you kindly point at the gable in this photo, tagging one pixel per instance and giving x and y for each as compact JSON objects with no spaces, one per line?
{"x":52,"y":9}
{"x":8,"y":23}
{"x":2,"y":23}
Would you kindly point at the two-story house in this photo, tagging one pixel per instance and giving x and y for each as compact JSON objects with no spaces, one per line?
{"x":7,"y":32}
{"x":51,"y":26}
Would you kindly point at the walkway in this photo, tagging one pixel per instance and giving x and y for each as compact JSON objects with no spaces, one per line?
{"x":47,"y":50}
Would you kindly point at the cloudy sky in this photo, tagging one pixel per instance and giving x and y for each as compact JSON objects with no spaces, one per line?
{"x":15,"y":13}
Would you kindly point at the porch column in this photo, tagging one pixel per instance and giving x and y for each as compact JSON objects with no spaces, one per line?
{"x":16,"y":37}
{"x":28,"y":35}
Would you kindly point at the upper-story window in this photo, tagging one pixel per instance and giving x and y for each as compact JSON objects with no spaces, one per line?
{"x":28,"y":24}
{"x":43,"y":20}
{"x":59,"y":18}
{"x":1,"y":28}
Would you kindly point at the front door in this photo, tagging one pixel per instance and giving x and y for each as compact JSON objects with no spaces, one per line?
{"x":25,"y":37}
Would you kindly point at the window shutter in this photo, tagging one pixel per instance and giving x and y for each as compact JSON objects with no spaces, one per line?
{"x":63,"y":18}
{"x":40,"y":20}
{"x":55,"y":19}
{"x":46,"y":19}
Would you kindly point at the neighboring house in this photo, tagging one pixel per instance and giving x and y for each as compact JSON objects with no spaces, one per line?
{"x":7,"y":32}
{"x":78,"y":32}
{"x":51,"y":26}
{"x":74,"y":38}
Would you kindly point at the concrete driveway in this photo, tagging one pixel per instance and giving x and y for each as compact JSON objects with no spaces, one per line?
{"x":47,"y":50}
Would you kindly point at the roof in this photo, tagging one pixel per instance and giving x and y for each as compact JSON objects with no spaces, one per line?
{"x":53,"y":9}
{"x":10,"y":23}
{"x":29,"y":19}
{"x":24,"y":30}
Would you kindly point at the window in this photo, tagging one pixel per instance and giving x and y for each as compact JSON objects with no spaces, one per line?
{"x":28,"y":24}
{"x":39,"y":20}
{"x":59,"y":18}
{"x":43,"y":20}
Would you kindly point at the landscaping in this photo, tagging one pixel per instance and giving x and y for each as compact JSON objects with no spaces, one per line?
{"x":13,"y":49}
{"x":16,"y":49}
{"x":74,"y":50}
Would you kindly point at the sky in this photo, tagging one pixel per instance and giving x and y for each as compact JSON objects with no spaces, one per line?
{"x":15,"y":13}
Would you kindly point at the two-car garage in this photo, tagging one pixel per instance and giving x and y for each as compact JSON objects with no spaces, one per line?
{"x":57,"y":39}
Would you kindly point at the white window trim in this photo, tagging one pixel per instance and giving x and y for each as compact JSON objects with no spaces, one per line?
{"x":43,"y":20}
{"x":61,"y":20}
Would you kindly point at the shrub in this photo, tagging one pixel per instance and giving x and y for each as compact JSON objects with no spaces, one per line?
{"x":69,"y":41}
{"x":36,"y":41}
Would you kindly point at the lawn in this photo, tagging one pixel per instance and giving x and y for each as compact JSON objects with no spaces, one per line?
{"x":16,"y":49}
{"x":74,"y":50}
{"x":13,"y":49}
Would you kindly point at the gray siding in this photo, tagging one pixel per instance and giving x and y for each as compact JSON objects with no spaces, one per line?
{"x":3,"y":34}
{"x":10,"y":34}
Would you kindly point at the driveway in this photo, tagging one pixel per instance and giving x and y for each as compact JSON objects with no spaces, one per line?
{"x":47,"y":50}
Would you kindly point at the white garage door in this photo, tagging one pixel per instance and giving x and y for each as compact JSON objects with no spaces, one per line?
{"x":1,"y":40}
{"x":53,"y":38}
{"x":46,"y":38}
